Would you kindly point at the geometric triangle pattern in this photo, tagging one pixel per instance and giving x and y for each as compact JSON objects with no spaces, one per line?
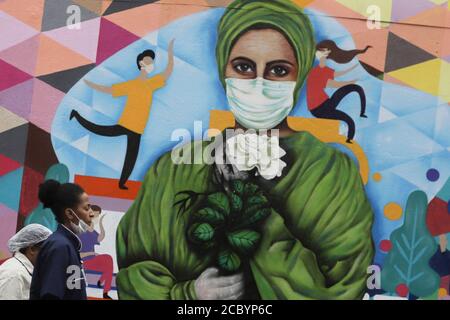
{"x":403,"y":54}
{"x":66,"y":79}
{"x":112,"y":38}
{"x":60,"y":13}
{"x":121,"y":5}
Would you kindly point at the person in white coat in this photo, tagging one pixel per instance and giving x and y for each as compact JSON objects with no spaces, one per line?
{"x":16,"y":272}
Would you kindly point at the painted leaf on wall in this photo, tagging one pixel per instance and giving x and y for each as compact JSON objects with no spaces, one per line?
{"x":219,"y":201}
{"x":244,"y":241}
{"x":228,"y":260}
{"x":407,"y":264}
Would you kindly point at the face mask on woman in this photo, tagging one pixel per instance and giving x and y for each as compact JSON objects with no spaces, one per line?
{"x":81,"y":226}
{"x":260,"y":103}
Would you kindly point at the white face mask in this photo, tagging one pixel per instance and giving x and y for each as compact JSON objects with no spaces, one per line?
{"x":321,"y":54}
{"x":260,"y":103}
{"x":148,"y":67}
{"x":81,"y":227}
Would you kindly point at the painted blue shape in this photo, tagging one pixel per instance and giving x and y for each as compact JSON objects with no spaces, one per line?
{"x":10,"y":186}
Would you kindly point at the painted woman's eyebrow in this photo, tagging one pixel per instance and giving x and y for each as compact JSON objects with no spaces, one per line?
{"x":243,"y":58}
{"x":280,"y":61}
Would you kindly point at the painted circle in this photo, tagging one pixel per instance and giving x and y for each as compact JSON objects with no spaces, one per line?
{"x":433,"y":175}
{"x":402,"y":290}
{"x":442,"y":292}
{"x":386,"y":245}
{"x":393,"y":211}
{"x":377,"y":177}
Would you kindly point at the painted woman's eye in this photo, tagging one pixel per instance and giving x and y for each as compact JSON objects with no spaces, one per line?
{"x":279,"y":71}
{"x":243,"y":68}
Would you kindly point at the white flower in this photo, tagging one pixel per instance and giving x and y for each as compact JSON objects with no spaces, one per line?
{"x":250,"y":150}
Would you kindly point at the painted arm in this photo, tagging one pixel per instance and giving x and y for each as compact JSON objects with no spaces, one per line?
{"x":339,"y":84}
{"x":169,"y":68}
{"x":98,"y":87}
{"x":101,"y":236}
{"x":87,"y":254}
{"x":344,"y":72}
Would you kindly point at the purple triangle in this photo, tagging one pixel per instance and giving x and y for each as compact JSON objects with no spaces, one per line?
{"x":18,"y":98}
{"x":403,"y":9}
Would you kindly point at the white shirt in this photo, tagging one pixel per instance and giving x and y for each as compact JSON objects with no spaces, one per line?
{"x":15,"y":278}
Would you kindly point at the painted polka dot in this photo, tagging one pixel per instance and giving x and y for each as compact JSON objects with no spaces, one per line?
{"x":385,"y":245}
{"x":402,"y":290}
{"x":393,"y":211}
{"x":442,"y":292}
{"x":433,"y":175}
{"x":377,"y":177}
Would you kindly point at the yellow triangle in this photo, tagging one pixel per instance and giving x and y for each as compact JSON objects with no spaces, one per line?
{"x":364,"y":7}
{"x":423,"y":76}
{"x":438,"y":2}
{"x":444,"y":87}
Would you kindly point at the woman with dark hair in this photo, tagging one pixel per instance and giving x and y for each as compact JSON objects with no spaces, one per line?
{"x":58,"y":273}
{"x":321,"y":77}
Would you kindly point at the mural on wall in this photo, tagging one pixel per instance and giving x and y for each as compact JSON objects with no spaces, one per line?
{"x":361,"y":177}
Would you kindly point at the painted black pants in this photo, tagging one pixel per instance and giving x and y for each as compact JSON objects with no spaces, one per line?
{"x":133,"y":142}
{"x":328,"y":109}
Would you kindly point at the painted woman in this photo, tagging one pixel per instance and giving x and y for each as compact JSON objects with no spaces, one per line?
{"x":315,"y":244}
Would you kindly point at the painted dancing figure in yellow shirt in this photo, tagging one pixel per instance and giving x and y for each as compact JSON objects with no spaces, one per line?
{"x":133,"y":120}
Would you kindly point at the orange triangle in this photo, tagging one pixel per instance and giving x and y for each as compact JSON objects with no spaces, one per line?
{"x":302,"y":3}
{"x":31,"y":14}
{"x":98,"y":7}
{"x":378,"y":39}
{"x":144,"y":19}
{"x":425,"y":30}
{"x":54,"y":57}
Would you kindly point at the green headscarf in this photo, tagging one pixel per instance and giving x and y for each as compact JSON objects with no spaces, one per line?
{"x":282,"y":15}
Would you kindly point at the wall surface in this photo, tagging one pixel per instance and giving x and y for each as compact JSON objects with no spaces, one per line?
{"x":404,"y":141}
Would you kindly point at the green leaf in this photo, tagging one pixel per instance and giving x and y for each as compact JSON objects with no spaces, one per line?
{"x":219,"y":201}
{"x":236,"y":202}
{"x":209,"y":215}
{"x":244,"y":241}
{"x":237,"y":186}
{"x":254,"y":204}
{"x":412,"y":247}
{"x":251,"y":189}
{"x":201,"y":232}
{"x":228,"y":260}
{"x":255,"y":217}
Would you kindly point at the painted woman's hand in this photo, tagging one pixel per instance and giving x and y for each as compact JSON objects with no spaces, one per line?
{"x":210,"y":286}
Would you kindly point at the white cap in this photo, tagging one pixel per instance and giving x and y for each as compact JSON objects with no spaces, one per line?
{"x":28,"y":236}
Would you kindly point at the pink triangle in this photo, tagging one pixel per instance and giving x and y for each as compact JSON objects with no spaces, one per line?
{"x":402,"y":9}
{"x":10,"y":75}
{"x":13,"y":31}
{"x":83,"y":41}
{"x":17,"y":99}
{"x":23,"y":55}
{"x":46,"y":100}
{"x":112,"y":39}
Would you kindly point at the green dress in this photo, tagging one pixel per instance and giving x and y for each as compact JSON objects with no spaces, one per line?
{"x":316,"y":244}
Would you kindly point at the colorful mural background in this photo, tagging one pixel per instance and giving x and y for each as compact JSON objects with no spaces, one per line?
{"x":406,"y":77}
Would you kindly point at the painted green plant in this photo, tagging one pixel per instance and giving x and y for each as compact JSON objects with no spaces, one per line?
{"x":412,"y":247}
{"x":227,"y":223}
{"x":40,"y":215}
